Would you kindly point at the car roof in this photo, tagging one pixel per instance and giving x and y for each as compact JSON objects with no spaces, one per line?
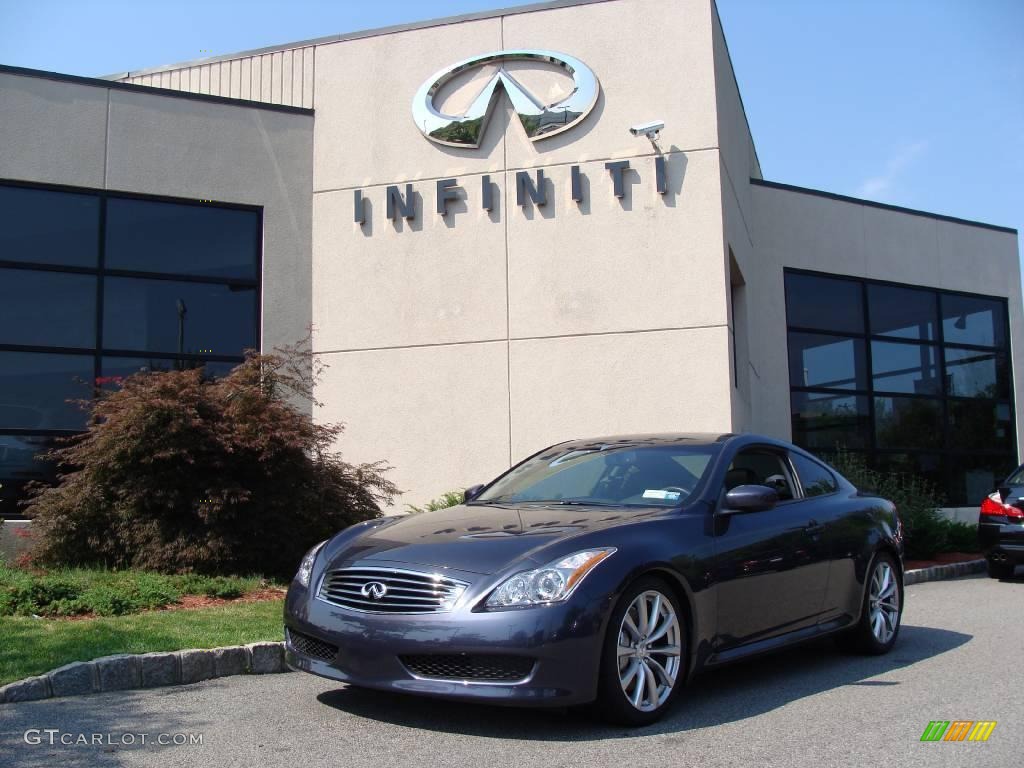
{"x":657,"y":438}
{"x":680,"y":438}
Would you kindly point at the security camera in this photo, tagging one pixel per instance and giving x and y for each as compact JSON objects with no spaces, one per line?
{"x":650,"y":130}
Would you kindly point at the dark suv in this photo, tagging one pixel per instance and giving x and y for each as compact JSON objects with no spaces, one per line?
{"x":1001,"y":526}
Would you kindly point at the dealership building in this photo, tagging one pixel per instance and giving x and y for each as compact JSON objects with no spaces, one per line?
{"x":491,"y":260}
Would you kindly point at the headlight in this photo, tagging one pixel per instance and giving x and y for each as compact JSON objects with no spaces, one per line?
{"x":550,"y":584}
{"x":306,"y":566}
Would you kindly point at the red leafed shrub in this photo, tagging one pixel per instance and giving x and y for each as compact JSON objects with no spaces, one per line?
{"x":177,"y":473}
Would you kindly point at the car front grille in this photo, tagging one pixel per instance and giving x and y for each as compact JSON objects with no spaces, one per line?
{"x":482,"y":667}
{"x":310,"y":646}
{"x":386,"y":590}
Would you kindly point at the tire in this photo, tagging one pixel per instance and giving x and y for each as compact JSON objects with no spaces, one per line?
{"x":1000,"y":570}
{"x":634,"y":673}
{"x":879,"y":626}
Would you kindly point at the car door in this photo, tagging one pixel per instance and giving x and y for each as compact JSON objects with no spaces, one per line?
{"x":771,"y":567}
{"x":847,"y":523}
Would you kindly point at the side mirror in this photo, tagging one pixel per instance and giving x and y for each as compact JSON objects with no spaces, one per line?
{"x":472,"y":492}
{"x":750,"y":498}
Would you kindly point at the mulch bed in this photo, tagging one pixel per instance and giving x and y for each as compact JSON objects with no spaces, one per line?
{"x":189,"y":602}
{"x":943,"y":559}
{"x":192,"y":602}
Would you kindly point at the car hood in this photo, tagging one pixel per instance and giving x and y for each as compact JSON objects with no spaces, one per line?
{"x":480,"y":539}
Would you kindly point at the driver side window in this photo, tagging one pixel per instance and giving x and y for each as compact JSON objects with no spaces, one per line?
{"x":761,"y":467}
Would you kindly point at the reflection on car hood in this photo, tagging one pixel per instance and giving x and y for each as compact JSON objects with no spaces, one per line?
{"x":481,"y":539}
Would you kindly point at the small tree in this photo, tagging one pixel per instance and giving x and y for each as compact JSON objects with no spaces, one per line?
{"x":178,"y":473}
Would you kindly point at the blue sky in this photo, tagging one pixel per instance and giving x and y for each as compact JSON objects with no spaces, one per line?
{"x":912,"y":102}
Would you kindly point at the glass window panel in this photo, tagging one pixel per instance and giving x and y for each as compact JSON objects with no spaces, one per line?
{"x":114,"y":370}
{"x":927,"y":466}
{"x":824,"y":303}
{"x":973,"y":373}
{"x":817,"y":360}
{"x":903,"y":312}
{"x":973,"y":320}
{"x":50,"y":309}
{"x":815,"y":479}
{"x":970,"y":478}
{"x":907,"y":368}
{"x":152,"y":236}
{"x":48,"y":227}
{"x":174,"y":317}
{"x":19,"y":465}
{"x":980,"y":425}
{"x":35,"y":387}
{"x":908,"y":422}
{"x":823,"y":421}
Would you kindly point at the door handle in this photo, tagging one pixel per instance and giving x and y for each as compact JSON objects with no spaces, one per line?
{"x":813,"y":526}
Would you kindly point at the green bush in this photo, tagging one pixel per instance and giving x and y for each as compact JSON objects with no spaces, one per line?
{"x":105,"y":601}
{"x":74,"y":592}
{"x":449,"y":499}
{"x":180,"y":474}
{"x":926,"y":531}
{"x":916,"y":500}
{"x":219,"y":586}
{"x":961,"y":537}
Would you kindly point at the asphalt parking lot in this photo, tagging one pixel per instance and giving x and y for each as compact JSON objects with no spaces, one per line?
{"x":956,"y":659}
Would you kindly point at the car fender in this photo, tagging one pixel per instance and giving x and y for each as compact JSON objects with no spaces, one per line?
{"x":648,"y":549}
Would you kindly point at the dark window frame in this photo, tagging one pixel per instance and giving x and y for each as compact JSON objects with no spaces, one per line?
{"x":948,"y":451}
{"x":101,"y":272}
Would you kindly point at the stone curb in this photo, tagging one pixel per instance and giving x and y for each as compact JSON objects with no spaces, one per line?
{"x":947,"y":571}
{"x":123,"y":671}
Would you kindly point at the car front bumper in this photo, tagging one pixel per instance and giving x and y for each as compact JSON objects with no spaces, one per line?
{"x":563,"y":640}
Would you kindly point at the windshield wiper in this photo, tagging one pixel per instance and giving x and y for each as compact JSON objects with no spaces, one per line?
{"x":570,"y":503}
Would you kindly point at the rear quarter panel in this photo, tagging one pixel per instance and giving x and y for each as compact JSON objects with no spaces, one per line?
{"x":861,"y":526}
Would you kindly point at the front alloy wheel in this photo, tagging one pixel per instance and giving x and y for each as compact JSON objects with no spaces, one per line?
{"x":642,"y":671}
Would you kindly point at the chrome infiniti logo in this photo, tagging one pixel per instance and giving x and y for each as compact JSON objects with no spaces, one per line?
{"x":539,"y":120}
{"x":374,"y":590}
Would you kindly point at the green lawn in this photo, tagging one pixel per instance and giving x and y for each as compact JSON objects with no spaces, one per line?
{"x":33,"y":646}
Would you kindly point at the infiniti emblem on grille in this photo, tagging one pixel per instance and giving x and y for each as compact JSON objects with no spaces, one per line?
{"x":374,"y":590}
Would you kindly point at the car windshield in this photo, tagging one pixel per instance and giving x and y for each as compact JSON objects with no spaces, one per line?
{"x":603,"y":474}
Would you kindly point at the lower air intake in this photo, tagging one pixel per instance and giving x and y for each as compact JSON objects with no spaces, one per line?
{"x":483,"y":667}
{"x":310,"y":646}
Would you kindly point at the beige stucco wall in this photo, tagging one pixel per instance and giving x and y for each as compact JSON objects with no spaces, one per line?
{"x":134,"y":141}
{"x":738,"y":163}
{"x":460,"y":344}
{"x":807,"y":231}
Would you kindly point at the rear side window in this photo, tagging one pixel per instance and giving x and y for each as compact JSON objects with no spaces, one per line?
{"x":815,"y":479}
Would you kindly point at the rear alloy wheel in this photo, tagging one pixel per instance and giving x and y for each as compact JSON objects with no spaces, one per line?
{"x":883,"y":608}
{"x":643,"y":662}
